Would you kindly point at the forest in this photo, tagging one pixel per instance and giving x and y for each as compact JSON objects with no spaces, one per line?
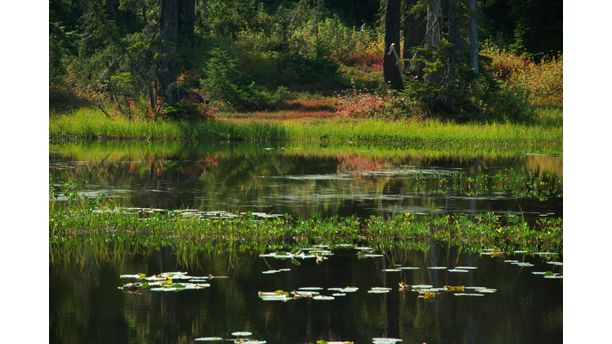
{"x":478,"y":61}
{"x":306,"y":171}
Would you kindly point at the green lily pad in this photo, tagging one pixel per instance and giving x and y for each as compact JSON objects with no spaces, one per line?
{"x":385,"y":340}
{"x":323,"y":298}
{"x":241,"y":334}
{"x":468,"y":294}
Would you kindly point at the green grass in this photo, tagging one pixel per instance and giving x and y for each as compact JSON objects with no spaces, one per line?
{"x":80,"y":221}
{"x":91,"y":123}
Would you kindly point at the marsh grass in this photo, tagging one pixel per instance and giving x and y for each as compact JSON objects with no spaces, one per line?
{"x":79,"y":222}
{"x":91,"y":123}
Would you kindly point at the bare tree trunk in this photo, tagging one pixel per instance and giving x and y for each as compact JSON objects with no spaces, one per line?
{"x":473,"y":9}
{"x":414,"y":31}
{"x":168,"y":33}
{"x":391,"y":67}
{"x":433,"y":34}
{"x":453,"y":37}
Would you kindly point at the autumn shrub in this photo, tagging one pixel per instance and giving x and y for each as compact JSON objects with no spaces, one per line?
{"x":363,"y":104}
{"x":543,"y":80}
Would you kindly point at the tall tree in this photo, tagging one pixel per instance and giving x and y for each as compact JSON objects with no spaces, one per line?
{"x":391,"y":65}
{"x":473,"y":9}
{"x":454,"y":40}
{"x":168,"y":34}
{"x":187,"y":20}
{"x":414,"y":30}
{"x":433,"y":34}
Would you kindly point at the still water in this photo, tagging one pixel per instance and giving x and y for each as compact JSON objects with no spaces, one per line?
{"x":86,"y":305}
{"x":304,"y":182}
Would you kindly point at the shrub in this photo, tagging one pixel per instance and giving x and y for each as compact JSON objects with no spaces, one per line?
{"x":542,"y":80}
{"x":221,"y":83}
{"x":362,"y":104}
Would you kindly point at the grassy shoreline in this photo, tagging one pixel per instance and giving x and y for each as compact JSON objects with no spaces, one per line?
{"x":92,"y":124}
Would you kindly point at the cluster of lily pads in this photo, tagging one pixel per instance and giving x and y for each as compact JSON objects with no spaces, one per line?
{"x":374,"y":341}
{"x":319,"y":253}
{"x":240,"y":337}
{"x":220,"y":214}
{"x":166,"y":282}
{"x":400,"y":268}
{"x":546,"y":274}
{"x":427,"y":291}
{"x":314,"y":293}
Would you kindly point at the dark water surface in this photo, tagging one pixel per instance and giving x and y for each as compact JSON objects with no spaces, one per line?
{"x":302,"y":183}
{"x":87,"y":307}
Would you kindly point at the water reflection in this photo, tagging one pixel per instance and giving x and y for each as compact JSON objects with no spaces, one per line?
{"x":86,"y":305}
{"x":301,"y":182}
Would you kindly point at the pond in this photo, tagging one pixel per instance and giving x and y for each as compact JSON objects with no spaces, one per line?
{"x":315,"y":180}
{"x":437,"y":293}
{"x":87,"y":306}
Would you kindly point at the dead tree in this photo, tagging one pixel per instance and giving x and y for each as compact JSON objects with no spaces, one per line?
{"x":391,"y":66}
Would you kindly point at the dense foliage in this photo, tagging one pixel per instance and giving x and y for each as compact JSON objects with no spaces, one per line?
{"x":145,"y":58}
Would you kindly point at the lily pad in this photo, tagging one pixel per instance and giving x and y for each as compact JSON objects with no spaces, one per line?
{"x":468,"y":294}
{"x":437,"y":267}
{"x":164,"y":289}
{"x":458,"y":270}
{"x":391,"y":270}
{"x":422,"y":286}
{"x":385,"y":340}
{"x":344,"y":290}
{"x":304,"y":293}
{"x":409,"y":268}
{"x":372,"y":255}
{"x":270,"y":272}
{"x":310,"y":288}
{"x":242,"y":334}
{"x":466,"y":267}
{"x":379,"y":290}
{"x":482,"y":290}
{"x":323,"y":298}
{"x":208,"y":339}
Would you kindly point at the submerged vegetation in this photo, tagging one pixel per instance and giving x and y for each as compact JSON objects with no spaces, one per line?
{"x":82,"y":224}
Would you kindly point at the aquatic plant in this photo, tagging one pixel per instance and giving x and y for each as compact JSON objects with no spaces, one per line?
{"x":83,"y":226}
